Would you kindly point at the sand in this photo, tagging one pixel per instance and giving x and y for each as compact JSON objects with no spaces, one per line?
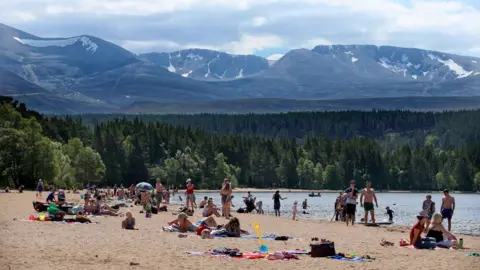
{"x":45,"y":245}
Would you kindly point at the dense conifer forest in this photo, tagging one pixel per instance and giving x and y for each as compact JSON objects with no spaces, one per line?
{"x":323,"y":150}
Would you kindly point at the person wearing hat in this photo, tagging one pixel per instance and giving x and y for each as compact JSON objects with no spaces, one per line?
{"x":415,"y":233}
{"x":351,"y":195}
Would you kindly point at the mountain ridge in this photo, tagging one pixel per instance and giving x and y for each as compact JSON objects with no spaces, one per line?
{"x":94,"y":71}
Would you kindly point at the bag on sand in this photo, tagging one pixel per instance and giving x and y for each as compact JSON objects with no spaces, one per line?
{"x":322,"y":249}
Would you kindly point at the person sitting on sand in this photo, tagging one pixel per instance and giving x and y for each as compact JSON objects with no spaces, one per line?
{"x":80,"y":217}
{"x":129,"y":222}
{"x":210,"y":209}
{"x":233,"y":228}
{"x":21,"y":188}
{"x":204,"y":202}
{"x":415,"y":233}
{"x":61,"y":195}
{"x":183,"y":224}
{"x":443,"y":237}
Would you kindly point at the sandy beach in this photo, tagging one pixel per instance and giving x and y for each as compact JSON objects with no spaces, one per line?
{"x":47,"y":245}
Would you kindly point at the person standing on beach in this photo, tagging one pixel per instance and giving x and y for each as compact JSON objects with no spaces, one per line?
{"x":351,"y":195}
{"x":190,"y":192}
{"x":429,"y":207}
{"x":366,"y":201}
{"x":276,"y":202}
{"x":226,"y":193}
{"x":448,"y":207}
{"x":39,"y":188}
{"x":159,"y":193}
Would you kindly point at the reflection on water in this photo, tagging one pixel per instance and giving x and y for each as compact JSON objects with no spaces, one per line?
{"x":466,"y":219}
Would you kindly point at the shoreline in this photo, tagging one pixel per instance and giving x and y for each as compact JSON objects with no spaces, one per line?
{"x":28,"y":245}
{"x":286,"y":190}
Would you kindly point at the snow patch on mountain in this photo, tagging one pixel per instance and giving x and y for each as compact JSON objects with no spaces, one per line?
{"x":240,"y":74}
{"x":349,"y":52}
{"x":195,"y":57}
{"x":354,"y":59}
{"x":414,"y":77}
{"x":473,"y":61}
{"x":456,"y":68}
{"x":87,"y":43}
{"x":186,"y":74}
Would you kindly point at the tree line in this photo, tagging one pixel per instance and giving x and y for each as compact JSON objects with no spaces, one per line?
{"x":133,"y":149}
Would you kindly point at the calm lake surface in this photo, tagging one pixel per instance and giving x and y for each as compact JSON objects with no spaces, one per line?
{"x":466,"y":219}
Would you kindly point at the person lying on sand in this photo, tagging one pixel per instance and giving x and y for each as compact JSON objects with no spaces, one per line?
{"x":183,"y":224}
{"x":443,"y":237}
{"x":80,"y":217}
{"x":129,"y":222}
{"x":210,"y":209}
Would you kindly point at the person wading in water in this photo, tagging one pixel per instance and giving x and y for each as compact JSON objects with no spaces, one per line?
{"x":369,"y":195}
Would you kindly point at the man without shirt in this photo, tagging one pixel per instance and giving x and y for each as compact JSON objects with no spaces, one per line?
{"x":448,"y":207}
{"x":369,"y":194}
{"x":351,"y":194}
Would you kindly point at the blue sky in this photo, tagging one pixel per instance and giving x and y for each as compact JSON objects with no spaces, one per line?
{"x":262,"y":27}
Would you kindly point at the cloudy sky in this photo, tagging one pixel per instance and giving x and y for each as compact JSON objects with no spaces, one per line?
{"x":262,"y":27}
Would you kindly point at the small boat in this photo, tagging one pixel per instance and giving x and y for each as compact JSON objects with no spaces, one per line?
{"x":314,"y":195}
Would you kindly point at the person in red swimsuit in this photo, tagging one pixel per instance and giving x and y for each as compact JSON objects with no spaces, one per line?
{"x":190,"y":193}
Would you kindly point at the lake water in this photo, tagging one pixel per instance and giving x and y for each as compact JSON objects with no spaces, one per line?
{"x":406,"y":206}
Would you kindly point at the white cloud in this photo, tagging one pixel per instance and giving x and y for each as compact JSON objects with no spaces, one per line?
{"x":248,"y":43}
{"x":248,"y":26}
{"x":259,"y":21}
{"x":310,"y":44}
{"x":275,"y":57}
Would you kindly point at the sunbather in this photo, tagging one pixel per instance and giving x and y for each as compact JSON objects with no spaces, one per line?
{"x":183,"y":224}
{"x":210,"y":209}
{"x":129,"y":222}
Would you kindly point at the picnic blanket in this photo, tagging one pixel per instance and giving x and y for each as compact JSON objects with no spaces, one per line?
{"x":252,"y":236}
{"x":351,"y":258}
{"x":236,"y":254}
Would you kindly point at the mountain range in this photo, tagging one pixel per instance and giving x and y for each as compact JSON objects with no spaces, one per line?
{"x":88,"y":74}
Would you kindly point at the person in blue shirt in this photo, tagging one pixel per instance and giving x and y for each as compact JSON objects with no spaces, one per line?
{"x":51,"y":196}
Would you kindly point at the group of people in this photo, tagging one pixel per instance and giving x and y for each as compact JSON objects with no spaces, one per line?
{"x":346,"y":204}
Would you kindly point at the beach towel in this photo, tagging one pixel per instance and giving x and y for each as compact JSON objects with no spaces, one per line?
{"x":235,"y":253}
{"x":219,"y":234}
{"x":171,"y":228}
{"x":341,"y":258}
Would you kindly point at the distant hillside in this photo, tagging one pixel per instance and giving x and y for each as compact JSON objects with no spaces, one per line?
{"x":242,"y":106}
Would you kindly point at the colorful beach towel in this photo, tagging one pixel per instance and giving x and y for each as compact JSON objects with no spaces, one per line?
{"x":236,"y":254}
{"x":351,"y":258}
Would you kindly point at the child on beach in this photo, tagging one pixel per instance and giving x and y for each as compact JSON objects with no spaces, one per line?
{"x":259,"y":207}
{"x":294,"y":210}
{"x":390,"y":214}
{"x":129,"y":222}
